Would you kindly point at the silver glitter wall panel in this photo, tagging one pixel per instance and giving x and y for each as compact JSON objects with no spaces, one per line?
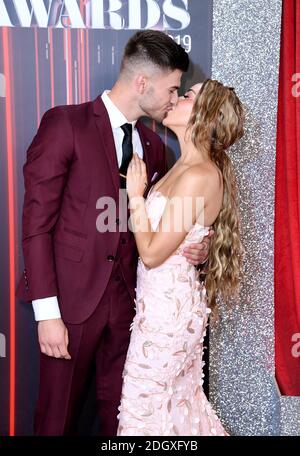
{"x":246,"y":44}
{"x":290,"y":415}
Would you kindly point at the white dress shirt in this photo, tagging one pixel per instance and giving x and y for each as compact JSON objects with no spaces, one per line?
{"x":48,"y":308}
{"x":117,"y":119}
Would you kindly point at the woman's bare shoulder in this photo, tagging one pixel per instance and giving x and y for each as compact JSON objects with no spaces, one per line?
{"x":200,"y":177}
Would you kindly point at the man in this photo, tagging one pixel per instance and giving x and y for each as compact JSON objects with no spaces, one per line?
{"x":81,"y":281}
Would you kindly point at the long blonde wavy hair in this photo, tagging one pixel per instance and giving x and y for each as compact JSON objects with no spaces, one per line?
{"x":216,"y":122}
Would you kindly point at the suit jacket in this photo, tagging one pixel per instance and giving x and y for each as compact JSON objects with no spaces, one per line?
{"x":71,"y":163}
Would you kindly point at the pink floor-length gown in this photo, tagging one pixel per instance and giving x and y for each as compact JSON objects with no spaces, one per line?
{"x":162,"y":390}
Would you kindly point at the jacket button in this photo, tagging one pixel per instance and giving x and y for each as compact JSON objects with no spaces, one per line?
{"x":117,"y":221}
{"x":110,"y":258}
{"x":123,"y":241}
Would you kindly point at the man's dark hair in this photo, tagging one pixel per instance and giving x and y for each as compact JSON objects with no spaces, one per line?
{"x":155,"y":47}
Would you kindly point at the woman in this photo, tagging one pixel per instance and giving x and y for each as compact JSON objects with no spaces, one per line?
{"x":162,"y":390}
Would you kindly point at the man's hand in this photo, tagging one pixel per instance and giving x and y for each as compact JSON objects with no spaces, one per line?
{"x":198,"y":253}
{"x":53,"y":338}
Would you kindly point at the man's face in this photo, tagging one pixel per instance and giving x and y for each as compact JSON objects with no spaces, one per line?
{"x":160,"y":94}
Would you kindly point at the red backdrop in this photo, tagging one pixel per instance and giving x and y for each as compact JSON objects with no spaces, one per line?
{"x":287,"y":206}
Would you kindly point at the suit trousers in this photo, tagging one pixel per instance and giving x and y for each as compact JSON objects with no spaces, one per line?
{"x":101,"y":341}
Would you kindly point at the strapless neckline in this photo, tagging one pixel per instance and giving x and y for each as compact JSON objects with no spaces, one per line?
{"x":152,"y":192}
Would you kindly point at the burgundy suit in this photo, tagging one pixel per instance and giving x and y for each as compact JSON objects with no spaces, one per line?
{"x":71,"y":163}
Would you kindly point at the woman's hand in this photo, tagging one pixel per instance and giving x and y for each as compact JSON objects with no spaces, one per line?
{"x":136,"y":181}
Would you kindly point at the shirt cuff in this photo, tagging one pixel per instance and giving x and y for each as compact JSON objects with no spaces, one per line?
{"x":46,"y":308}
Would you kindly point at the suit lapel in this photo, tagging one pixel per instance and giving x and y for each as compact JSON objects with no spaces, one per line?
{"x":108,"y":143}
{"x":147,"y":148}
{"x":107,"y":140}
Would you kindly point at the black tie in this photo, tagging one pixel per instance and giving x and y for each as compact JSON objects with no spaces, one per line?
{"x":127,"y":150}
